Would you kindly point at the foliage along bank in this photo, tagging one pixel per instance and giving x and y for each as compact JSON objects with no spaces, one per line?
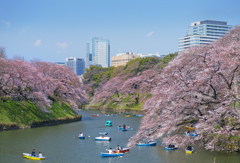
{"x":123,"y":87}
{"x":199,"y":88}
{"x":42,"y":89}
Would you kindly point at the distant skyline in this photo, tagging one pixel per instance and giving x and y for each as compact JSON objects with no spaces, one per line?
{"x":57,"y":29}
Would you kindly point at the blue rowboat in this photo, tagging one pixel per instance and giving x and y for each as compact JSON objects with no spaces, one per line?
{"x":170,"y":148}
{"x":120,"y":128}
{"x":124,"y":129}
{"x":81,"y":137}
{"x":150,"y":143}
{"x":192,"y":134}
{"x":107,"y":115}
{"x":103,"y":133}
{"x":120,"y":113}
{"x":100,"y":138}
{"x":136,"y":115}
{"x":111,"y":155}
{"x":113,"y":115}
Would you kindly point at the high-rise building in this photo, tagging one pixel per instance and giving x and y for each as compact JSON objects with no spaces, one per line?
{"x":77,"y":64}
{"x":203,"y":33}
{"x":122,"y":58}
{"x":89,"y":57}
{"x":98,"y":52}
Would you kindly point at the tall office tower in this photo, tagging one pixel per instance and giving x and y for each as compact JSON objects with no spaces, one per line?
{"x":98,"y":52}
{"x":89,"y":58}
{"x":203,"y":33}
{"x":77,"y":64}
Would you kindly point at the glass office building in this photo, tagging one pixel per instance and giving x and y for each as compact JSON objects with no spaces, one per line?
{"x":77,"y":64}
{"x":98,"y":52}
{"x":203,"y":33}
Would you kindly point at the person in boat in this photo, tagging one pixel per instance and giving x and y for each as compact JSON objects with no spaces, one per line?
{"x":80,"y":135}
{"x":124,"y":126}
{"x":118,"y":148}
{"x":39,"y":154}
{"x":128,"y":126}
{"x":119,"y":126}
{"x":170,"y":146}
{"x":110,"y":151}
{"x":33,"y":152}
{"x":189,"y":148}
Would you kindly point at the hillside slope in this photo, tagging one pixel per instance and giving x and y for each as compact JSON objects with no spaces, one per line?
{"x":124,"y":87}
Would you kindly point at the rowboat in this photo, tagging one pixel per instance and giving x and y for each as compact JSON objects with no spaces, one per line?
{"x":107,"y":115}
{"x":103,"y":111}
{"x":102,"y":138}
{"x":127,"y":115}
{"x":120,"y":128}
{"x":189,"y":151}
{"x":124,"y":150}
{"x":111,"y":155}
{"x":95,"y":115}
{"x":29,"y":156}
{"x":124,"y":129}
{"x":81,"y":137}
{"x":108,"y":123}
{"x":171,"y":147}
{"x":103,"y":133}
{"x":136,"y":115}
{"x":113,"y":115}
{"x":150,"y":143}
{"x":190,"y":134}
{"x":120,"y":113}
{"x":190,"y":128}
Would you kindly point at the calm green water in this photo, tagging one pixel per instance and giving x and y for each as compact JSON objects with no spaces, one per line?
{"x":58,"y":145}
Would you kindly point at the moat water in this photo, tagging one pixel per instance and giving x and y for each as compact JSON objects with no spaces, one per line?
{"x":58,"y":145}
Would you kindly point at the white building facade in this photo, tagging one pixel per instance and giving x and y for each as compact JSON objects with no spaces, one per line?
{"x":77,"y":64}
{"x":98,"y":52}
{"x":203,"y":33}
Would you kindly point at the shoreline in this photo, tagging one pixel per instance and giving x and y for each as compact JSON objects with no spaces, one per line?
{"x":41,"y":123}
{"x":117,"y":110}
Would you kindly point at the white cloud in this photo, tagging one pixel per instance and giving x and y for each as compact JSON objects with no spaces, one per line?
{"x":38,"y":43}
{"x":7,"y":23}
{"x":149,"y":34}
{"x":62,"y":45}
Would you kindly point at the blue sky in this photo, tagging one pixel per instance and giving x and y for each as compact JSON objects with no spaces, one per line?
{"x":52,"y":30}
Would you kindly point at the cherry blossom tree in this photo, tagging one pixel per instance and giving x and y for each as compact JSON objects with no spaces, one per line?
{"x":40,"y":82}
{"x":199,"y":88}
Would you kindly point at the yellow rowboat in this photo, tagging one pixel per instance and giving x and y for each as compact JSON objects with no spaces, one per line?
{"x":189,"y":151}
{"x":127,"y":115}
{"x":29,"y":156}
{"x":190,"y":128}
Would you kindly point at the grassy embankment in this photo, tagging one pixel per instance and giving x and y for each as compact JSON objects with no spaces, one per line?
{"x":25,"y":113}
